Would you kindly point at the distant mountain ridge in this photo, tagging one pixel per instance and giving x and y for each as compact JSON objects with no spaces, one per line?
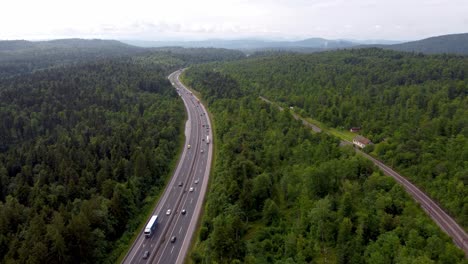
{"x":21,"y":56}
{"x":24,"y":45}
{"x":454,"y":43}
{"x":249,"y":44}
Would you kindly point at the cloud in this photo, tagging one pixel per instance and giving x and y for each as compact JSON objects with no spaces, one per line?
{"x":156,"y":19}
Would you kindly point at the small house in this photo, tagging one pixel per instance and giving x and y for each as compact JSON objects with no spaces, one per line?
{"x":361,"y":141}
{"x":355,"y":129}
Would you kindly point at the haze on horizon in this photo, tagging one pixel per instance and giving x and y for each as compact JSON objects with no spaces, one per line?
{"x":232,"y":19}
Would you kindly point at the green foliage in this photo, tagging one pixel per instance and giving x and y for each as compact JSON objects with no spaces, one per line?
{"x":80,"y":149}
{"x":22,"y":57}
{"x":280,"y":194}
{"x":412,"y":106}
{"x":200,"y":55}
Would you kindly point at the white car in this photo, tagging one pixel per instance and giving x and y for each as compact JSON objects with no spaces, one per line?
{"x":191,"y":189}
{"x":196,"y":181}
{"x":168,"y":212}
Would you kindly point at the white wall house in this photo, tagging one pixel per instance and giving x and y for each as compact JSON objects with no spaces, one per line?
{"x":361,"y":141}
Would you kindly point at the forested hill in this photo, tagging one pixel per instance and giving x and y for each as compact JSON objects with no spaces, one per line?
{"x":88,"y":133}
{"x":281,"y":194}
{"x":454,"y":44}
{"x":19,"y":57}
{"x":105,"y":45}
{"x":413,"y":107}
{"x":201,"y":55}
{"x":80,"y":150}
{"x":22,"y":57}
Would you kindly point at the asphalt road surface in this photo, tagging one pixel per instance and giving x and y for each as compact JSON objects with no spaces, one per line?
{"x":440,"y":217}
{"x":192,"y":173}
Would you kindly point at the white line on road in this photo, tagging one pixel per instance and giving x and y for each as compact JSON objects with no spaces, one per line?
{"x":180,"y":230}
{"x":172,"y":249}
{"x":191,"y":200}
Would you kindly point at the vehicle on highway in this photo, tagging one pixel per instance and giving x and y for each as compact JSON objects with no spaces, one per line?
{"x":207,"y":139}
{"x":151,"y":226}
{"x":196,"y":181}
{"x":173,"y":239}
{"x":188,"y":146}
{"x":180,"y":184}
{"x":168,"y":212}
{"x":146,"y":254}
{"x":183,"y":211}
{"x":191,"y":189}
{"x":201,"y":151}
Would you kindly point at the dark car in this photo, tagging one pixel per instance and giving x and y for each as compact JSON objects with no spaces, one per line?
{"x":181,"y":183}
{"x":173,"y":239}
{"x":146,"y":254}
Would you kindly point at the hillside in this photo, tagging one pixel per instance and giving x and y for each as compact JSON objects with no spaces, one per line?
{"x":413,"y":107}
{"x":23,"y":45}
{"x":85,"y":147}
{"x":280,"y":194}
{"x":80,"y":149}
{"x":456,"y":44}
{"x":19,"y":56}
{"x":445,"y":44}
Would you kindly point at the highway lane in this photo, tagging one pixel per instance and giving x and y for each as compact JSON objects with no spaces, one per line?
{"x":193,"y":165}
{"x":183,"y":226}
{"x":440,"y":217}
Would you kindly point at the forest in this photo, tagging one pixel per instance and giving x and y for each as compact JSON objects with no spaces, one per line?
{"x":81,"y":148}
{"x":281,"y":194}
{"x":23,"y":57}
{"x":413,"y":107}
{"x":86,"y":146}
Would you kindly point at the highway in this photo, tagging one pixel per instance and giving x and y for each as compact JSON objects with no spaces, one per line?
{"x":185,"y":191}
{"x":440,"y":217}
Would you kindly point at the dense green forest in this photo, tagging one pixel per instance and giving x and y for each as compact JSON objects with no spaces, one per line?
{"x":88,"y":133}
{"x":23,"y":57}
{"x":453,"y":43}
{"x":414,"y":107}
{"x":281,"y":194}
{"x":80,"y":149}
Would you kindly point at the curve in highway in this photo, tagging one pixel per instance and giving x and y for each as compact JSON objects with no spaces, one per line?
{"x":185,"y":191}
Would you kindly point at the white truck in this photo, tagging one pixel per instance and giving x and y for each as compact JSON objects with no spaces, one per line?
{"x":151,"y":226}
{"x":207,"y":139}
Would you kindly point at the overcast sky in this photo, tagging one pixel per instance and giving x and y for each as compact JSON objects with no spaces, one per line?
{"x":202,"y":19}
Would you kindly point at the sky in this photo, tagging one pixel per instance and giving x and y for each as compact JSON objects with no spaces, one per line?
{"x":231,"y":19}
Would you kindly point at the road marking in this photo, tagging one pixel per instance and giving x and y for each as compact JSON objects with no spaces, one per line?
{"x":180,"y":230}
{"x":172,"y":249}
{"x":191,"y":200}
